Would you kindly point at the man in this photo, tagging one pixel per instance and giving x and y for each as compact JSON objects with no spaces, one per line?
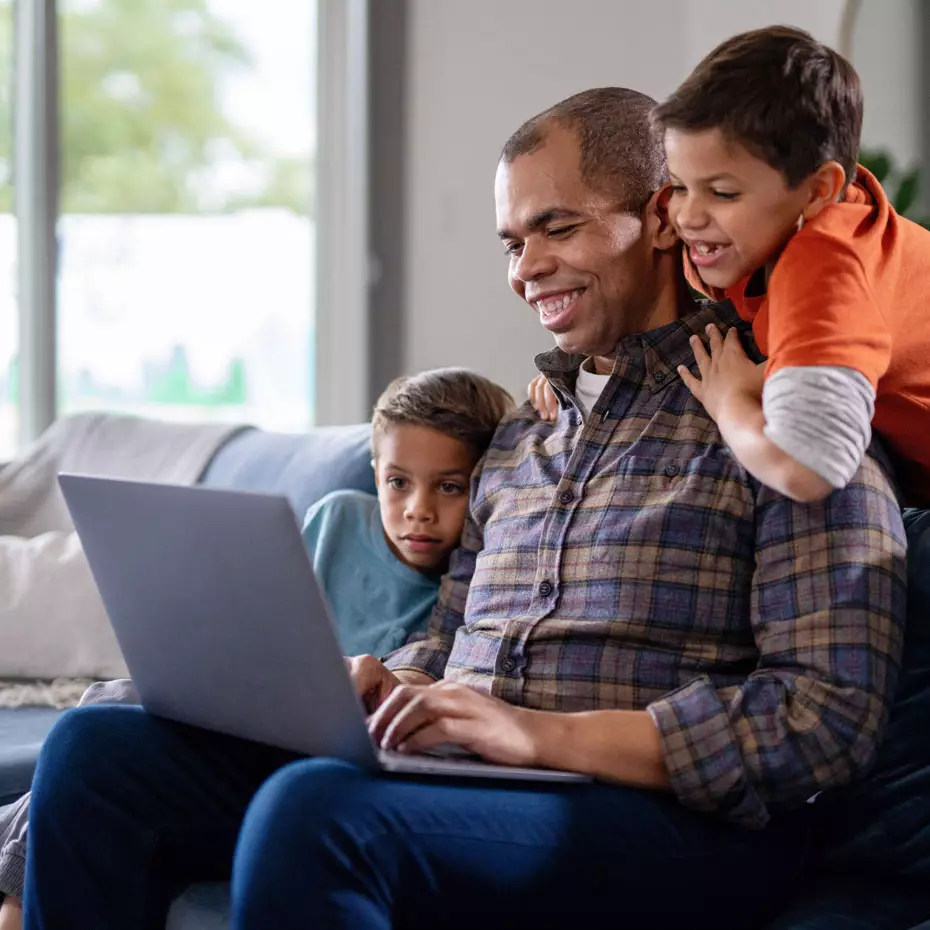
{"x":637,"y":608}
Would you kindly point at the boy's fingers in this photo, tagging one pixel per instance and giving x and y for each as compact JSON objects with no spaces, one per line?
{"x":700,"y":354}
{"x":533,"y":390}
{"x":732,"y":340}
{"x":691,"y":383}
{"x":714,"y":338}
{"x":552,"y":402}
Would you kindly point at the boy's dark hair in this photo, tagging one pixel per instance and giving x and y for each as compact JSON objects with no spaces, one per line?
{"x":791,"y":100}
{"x":453,"y":401}
{"x":621,"y":154}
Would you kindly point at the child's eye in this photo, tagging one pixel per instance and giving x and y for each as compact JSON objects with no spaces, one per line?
{"x":725,"y":195}
{"x":397,"y":484}
{"x":678,"y":188}
{"x":450,"y":487}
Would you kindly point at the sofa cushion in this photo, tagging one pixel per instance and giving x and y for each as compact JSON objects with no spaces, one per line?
{"x":881,"y":825}
{"x":22,"y":732}
{"x":201,"y":907}
{"x":838,"y":903}
{"x":303,"y":467}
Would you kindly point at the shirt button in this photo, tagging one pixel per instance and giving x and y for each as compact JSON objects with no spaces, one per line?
{"x":672,"y":469}
{"x":545,"y":588}
{"x":566,"y":497}
{"x":660,"y":377}
{"x":508,"y":665}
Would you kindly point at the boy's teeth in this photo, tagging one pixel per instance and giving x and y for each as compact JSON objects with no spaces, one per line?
{"x":705,"y":248}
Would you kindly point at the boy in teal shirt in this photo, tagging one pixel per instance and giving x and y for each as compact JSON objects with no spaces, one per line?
{"x":379,"y":559}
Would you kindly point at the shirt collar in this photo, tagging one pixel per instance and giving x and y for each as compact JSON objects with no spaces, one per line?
{"x":650,"y":359}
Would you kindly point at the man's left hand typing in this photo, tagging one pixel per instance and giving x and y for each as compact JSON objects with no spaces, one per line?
{"x":415,"y":718}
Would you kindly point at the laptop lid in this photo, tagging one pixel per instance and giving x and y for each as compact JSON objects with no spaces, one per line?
{"x":218,"y":613}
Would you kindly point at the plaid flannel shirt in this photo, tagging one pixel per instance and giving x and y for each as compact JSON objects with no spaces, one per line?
{"x":628,"y":561}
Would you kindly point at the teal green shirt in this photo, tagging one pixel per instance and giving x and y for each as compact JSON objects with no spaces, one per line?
{"x":377,"y":602}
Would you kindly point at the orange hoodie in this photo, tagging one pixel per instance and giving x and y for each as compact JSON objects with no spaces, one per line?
{"x":852,"y":289}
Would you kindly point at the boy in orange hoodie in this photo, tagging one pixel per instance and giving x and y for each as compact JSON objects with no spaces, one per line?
{"x":775,"y":214}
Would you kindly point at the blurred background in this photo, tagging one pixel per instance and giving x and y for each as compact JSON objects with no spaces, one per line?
{"x":261,"y":211}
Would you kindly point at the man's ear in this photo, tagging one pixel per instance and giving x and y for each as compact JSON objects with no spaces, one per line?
{"x":826,"y":185}
{"x":657,"y":216}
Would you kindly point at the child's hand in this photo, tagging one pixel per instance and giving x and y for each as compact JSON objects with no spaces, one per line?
{"x":543,"y":398}
{"x":725,"y":370}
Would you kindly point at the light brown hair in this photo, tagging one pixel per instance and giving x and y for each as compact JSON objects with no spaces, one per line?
{"x":453,"y":401}
{"x":790,"y":100}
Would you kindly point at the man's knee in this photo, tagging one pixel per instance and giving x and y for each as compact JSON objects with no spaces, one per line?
{"x":82,"y":741}
{"x":289,"y":833}
{"x":305,"y":793}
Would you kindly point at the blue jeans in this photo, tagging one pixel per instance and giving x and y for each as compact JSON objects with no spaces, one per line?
{"x":127,"y":808}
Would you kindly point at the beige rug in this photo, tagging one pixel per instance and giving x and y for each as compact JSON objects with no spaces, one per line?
{"x":60,"y":693}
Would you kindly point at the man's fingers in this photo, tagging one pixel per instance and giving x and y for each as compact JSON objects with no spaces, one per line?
{"x":392,"y":705}
{"x":373,"y":682}
{"x":429,"y":707}
{"x":444,"y":730}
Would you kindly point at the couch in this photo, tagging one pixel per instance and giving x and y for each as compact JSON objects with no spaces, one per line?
{"x":875,"y":836}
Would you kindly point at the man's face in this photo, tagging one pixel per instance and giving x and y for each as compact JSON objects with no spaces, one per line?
{"x":734,"y":211}
{"x":422,"y":477}
{"x":585,"y":266}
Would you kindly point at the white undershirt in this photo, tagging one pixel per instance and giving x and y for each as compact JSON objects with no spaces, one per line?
{"x":589,"y":385}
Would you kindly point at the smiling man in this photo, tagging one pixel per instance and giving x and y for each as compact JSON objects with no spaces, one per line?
{"x":626,"y":602}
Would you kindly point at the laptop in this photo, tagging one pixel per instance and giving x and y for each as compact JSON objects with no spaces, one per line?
{"x":223,"y":625}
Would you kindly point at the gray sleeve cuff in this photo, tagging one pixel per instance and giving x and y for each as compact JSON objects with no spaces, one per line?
{"x":14,"y":822}
{"x":822,"y":417}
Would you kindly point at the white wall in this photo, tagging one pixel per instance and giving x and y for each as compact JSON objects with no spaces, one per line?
{"x":479,"y":68}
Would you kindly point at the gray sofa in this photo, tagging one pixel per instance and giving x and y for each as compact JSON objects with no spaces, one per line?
{"x":875,"y":836}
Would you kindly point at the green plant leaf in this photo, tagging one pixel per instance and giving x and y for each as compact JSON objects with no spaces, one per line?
{"x":879,"y":163}
{"x":907,"y":192}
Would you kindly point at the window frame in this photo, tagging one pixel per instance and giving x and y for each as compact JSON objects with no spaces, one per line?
{"x":341,"y":260}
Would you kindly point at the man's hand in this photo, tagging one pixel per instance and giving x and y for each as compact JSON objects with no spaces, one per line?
{"x":415,"y":717}
{"x":373,"y":681}
{"x":725,"y":371}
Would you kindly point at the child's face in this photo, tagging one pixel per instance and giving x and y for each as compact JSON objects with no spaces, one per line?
{"x":734,"y":211}
{"x":422,"y":477}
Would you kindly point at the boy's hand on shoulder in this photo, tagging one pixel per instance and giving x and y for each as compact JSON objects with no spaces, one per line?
{"x":543,"y":398}
{"x":725,"y":370}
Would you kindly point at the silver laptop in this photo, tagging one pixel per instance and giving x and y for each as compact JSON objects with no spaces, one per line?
{"x":221,"y":621}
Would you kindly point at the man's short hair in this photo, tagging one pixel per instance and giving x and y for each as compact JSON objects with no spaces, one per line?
{"x":790,"y":100}
{"x":620,"y":152}
{"x":453,"y":401}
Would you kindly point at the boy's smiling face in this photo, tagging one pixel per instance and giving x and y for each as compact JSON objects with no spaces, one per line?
{"x":423,"y":482}
{"x":734,"y":211}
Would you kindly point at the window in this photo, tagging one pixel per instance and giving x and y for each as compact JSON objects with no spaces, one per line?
{"x":188,"y":140}
{"x":182,"y":144}
{"x":9,"y":329}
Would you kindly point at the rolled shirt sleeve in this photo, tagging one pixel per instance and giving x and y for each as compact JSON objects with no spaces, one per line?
{"x":828,"y":608}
